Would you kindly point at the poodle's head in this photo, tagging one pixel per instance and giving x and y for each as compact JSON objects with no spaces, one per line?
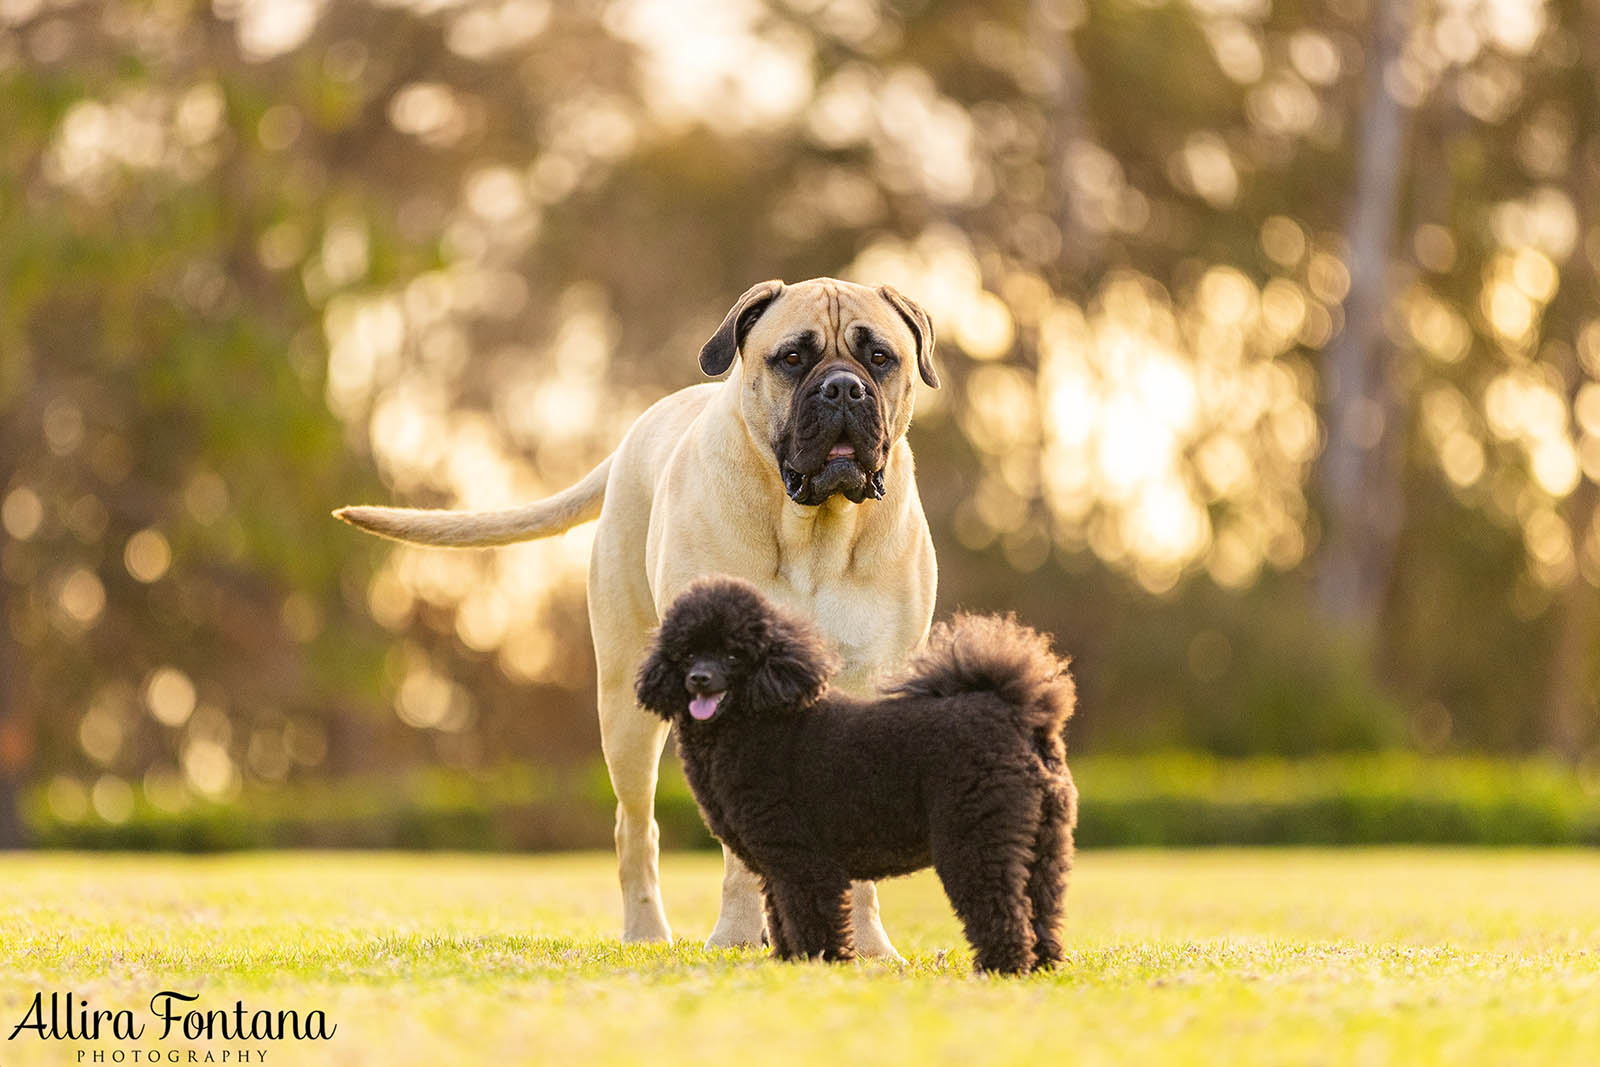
{"x":724,"y":650}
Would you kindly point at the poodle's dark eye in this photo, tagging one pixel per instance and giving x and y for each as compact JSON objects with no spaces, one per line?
{"x":730,"y":660}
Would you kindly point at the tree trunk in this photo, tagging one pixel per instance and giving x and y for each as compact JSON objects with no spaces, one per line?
{"x":1360,"y":472}
{"x":1566,"y":720}
{"x":1062,"y":86}
{"x":1566,"y":716}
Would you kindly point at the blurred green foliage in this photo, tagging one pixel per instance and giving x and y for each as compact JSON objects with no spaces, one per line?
{"x":1160,"y":799}
{"x":260,"y":260}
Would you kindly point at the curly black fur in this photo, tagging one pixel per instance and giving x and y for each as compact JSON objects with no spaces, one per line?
{"x":960,"y":766}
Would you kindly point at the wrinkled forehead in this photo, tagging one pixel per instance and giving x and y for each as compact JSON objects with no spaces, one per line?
{"x":827,"y":308}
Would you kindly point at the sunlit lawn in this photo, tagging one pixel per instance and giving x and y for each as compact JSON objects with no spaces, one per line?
{"x":1384,"y":956}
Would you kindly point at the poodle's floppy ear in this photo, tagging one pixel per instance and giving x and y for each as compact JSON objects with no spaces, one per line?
{"x":659,"y":685}
{"x":794,"y":672}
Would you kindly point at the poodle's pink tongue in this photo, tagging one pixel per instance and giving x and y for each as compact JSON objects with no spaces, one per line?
{"x":703,"y":708}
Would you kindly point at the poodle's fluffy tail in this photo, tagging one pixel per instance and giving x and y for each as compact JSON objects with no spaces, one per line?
{"x":481,"y":529}
{"x":995,"y":654}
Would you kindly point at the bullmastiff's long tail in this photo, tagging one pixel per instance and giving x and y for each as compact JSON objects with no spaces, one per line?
{"x":482,"y":529}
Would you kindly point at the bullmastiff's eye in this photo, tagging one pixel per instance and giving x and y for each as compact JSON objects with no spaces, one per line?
{"x":792,"y":359}
{"x":880,"y":358}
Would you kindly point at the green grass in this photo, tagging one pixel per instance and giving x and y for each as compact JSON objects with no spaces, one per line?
{"x":1402,"y":956}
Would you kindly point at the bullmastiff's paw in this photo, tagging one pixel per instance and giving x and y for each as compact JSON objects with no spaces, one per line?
{"x":873,"y":943}
{"x":733,"y":934}
{"x":646,"y":933}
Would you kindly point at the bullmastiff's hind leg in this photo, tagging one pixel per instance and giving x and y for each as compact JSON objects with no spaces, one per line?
{"x":742,"y":920}
{"x":871,"y":940}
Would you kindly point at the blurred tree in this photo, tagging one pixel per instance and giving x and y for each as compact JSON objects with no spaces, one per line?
{"x":253,"y":254}
{"x":1494,"y":318}
{"x":168,"y":457}
{"x":1568,"y":706}
{"x":1362,"y":499}
{"x":13,"y":753}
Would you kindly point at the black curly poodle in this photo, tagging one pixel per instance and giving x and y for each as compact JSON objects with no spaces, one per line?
{"x":960,"y":765}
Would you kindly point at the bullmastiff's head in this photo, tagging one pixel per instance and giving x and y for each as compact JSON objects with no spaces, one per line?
{"x":826,"y":378}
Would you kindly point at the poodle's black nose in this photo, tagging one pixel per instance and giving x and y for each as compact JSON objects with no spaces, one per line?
{"x":705,"y":676}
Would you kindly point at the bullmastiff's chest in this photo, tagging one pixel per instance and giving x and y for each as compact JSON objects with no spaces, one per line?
{"x":865,"y":577}
{"x":870,"y":632}
{"x":873,"y":617}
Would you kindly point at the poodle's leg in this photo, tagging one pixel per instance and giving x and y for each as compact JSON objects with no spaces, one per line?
{"x":833,"y":914}
{"x":984,"y":860}
{"x":632,"y":739}
{"x":870,"y":938}
{"x":1047,"y":881}
{"x":806,"y":889}
{"x":812,"y":915}
{"x":741,"y":920}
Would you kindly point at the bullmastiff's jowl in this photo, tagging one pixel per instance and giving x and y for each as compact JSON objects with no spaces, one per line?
{"x":792,"y":473}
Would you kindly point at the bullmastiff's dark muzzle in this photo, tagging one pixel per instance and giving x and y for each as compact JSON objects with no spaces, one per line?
{"x":836,"y":440}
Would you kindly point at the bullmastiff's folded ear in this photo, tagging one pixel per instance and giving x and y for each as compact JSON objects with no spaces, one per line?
{"x":717,"y":354}
{"x":921,"y":328}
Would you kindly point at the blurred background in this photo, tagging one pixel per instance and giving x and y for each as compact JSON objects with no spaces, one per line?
{"x":1269,"y":329}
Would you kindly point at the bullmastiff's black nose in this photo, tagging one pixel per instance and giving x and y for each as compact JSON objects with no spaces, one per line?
{"x":843,"y":388}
